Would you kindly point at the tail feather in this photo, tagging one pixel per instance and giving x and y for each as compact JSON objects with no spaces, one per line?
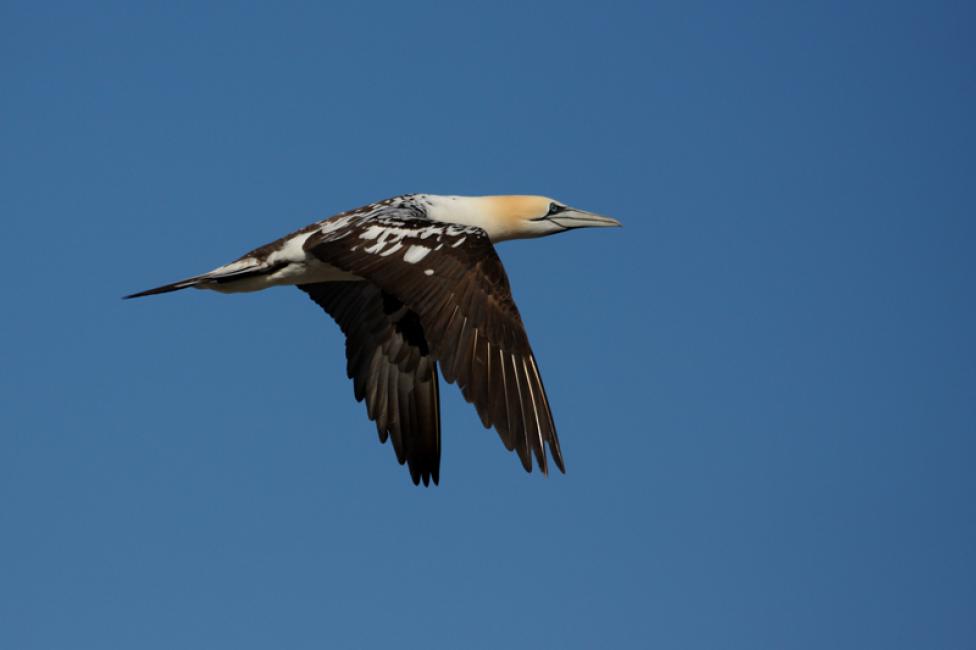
{"x":166,"y":288}
{"x":233,"y":272}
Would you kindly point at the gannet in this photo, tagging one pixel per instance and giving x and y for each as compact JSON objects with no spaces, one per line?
{"x":415,"y":284}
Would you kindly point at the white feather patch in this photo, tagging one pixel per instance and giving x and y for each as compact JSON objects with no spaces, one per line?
{"x":415,"y":253}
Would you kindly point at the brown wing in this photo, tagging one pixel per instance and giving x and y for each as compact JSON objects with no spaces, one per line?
{"x":451,"y":277}
{"x":391,"y":368}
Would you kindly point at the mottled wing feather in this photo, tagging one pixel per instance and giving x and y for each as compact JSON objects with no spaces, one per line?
{"x":452,"y":278}
{"x":391,"y":368}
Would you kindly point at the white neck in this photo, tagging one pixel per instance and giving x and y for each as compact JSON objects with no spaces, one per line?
{"x":480,"y":211}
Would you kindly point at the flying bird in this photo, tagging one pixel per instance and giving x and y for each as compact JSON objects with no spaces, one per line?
{"x":415,"y":284}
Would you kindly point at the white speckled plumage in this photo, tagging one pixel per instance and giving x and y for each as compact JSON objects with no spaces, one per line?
{"x":405,"y":320}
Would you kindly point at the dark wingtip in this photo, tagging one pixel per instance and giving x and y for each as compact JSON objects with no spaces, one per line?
{"x":559,"y":464}
{"x":557,"y":455}
{"x":425,"y":476}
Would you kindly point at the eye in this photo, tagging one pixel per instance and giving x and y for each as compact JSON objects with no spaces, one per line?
{"x":555,"y":208}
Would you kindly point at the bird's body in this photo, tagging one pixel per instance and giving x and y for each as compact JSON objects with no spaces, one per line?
{"x":415,"y":284}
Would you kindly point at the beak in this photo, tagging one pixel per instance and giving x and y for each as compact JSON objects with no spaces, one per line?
{"x":573,"y":218}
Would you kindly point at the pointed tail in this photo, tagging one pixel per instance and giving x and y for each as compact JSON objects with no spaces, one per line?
{"x":166,"y":288}
{"x":241,"y":269}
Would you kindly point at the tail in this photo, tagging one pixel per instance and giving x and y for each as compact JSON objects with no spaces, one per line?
{"x":166,"y":288}
{"x":241,"y":269}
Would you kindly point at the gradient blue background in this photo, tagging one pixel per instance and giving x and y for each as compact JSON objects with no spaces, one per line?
{"x":765,"y":383}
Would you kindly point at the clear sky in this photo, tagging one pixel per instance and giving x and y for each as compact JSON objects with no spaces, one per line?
{"x":765,"y":383}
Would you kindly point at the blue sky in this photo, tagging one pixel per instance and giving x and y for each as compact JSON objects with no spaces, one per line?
{"x":764,"y":384}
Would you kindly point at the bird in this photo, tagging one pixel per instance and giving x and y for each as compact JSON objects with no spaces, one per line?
{"x":416,"y":286}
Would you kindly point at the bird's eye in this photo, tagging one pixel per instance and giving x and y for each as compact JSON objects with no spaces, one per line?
{"x":554,"y":208}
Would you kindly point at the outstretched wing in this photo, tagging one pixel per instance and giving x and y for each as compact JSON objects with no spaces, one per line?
{"x":451,"y":277}
{"x":391,"y":368}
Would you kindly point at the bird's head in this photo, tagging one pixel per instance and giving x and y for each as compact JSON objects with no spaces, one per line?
{"x":514,"y":216}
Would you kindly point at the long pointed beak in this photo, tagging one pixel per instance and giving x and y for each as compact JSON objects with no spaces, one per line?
{"x":573,"y":218}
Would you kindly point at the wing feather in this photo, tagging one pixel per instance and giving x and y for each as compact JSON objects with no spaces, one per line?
{"x":451,"y":277}
{"x":389,"y":362}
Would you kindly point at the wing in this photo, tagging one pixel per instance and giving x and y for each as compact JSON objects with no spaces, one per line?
{"x":451,"y":277}
{"x":391,"y":368}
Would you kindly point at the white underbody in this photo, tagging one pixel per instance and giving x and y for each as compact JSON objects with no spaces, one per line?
{"x":300,"y":268}
{"x":294,"y":273}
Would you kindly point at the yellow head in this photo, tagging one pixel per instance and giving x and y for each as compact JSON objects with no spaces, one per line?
{"x":512,"y":216}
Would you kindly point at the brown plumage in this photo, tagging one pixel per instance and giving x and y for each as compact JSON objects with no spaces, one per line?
{"x":391,"y":367}
{"x":470,"y":323}
{"x":415,"y":284}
